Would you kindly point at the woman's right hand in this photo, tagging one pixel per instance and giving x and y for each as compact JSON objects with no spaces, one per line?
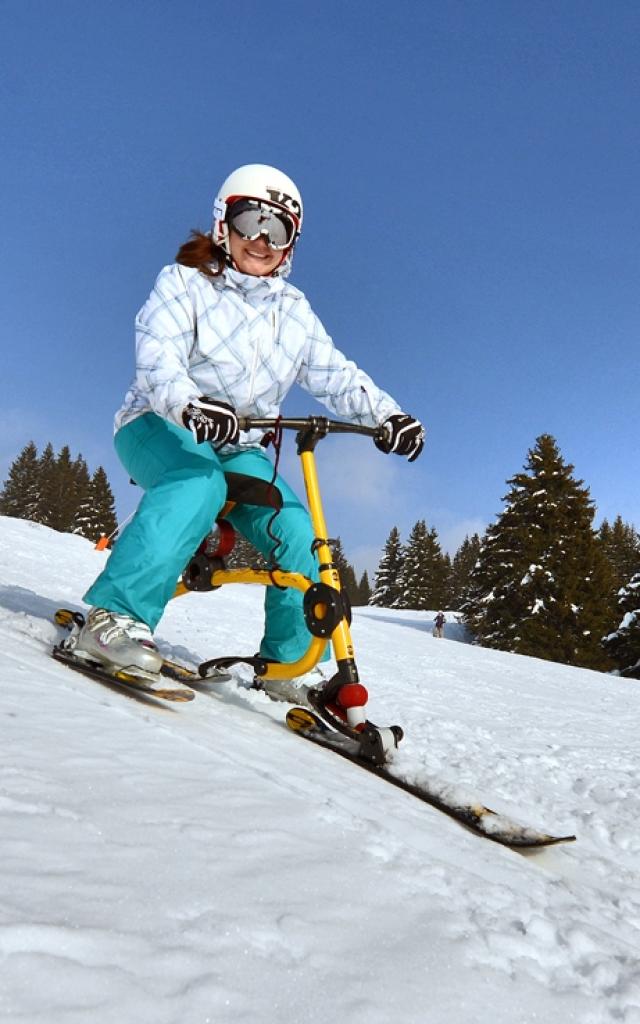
{"x":211,"y":420}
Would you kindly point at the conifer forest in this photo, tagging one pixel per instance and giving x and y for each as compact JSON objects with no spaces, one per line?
{"x":542,"y":581}
{"x":60,"y":492}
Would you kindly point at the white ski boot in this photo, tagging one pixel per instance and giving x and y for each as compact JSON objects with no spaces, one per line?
{"x":291,"y":691}
{"x":119,"y":643}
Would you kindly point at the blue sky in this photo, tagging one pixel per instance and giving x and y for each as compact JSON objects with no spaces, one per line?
{"x":470,"y":175}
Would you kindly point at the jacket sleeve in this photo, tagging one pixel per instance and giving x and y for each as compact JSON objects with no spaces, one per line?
{"x":165,"y":333}
{"x":338,"y":383}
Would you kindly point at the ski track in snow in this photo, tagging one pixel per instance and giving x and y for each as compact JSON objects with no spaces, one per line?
{"x":200,"y":863}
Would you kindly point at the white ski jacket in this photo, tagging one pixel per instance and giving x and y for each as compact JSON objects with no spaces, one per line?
{"x":245,"y":340}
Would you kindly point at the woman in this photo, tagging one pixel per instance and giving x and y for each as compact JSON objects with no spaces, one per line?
{"x":222,"y":335}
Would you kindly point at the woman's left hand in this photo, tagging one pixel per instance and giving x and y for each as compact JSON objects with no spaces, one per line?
{"x":403,"y":435}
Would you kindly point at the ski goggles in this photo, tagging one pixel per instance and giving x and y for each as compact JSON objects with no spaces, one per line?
{"x":251,"y":218}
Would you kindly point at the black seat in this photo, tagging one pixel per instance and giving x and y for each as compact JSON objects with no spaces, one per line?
{"x":249,"y":490}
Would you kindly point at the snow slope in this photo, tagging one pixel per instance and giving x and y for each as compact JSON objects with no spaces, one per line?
{"x":201,"y":864}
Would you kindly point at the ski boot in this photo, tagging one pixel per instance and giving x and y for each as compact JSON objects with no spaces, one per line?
{"x":290,"y":691}
{"x":118,"y":643}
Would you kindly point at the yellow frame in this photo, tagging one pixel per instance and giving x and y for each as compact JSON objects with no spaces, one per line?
{"x":341,"y":636}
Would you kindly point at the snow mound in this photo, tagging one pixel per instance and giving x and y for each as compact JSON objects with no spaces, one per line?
{"x":202,"y":864}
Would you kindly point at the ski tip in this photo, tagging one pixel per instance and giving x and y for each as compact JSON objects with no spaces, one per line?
{"x":174,"y":670}
{"x":509,"y":833}
{"x":179,"y":694}
{"x":303,"y":720}
{"x":67,"y":618}
{"x":530,"y":843}
{"x":556,"y":840}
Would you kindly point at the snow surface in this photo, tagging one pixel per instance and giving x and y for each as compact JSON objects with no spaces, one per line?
{"x":201,"y":864}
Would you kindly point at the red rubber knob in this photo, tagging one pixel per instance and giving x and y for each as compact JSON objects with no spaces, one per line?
{"x":352,"y":695}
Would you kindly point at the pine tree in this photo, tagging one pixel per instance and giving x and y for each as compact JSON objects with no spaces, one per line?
{"x":464,"y":562}
{"x":542,"y":585}
{"x":61,"y":493}
{"x":621,"y":545}
{"x":102,"y":519}
{"x":19,"y":496}
{"x":425,"y":571}
{"x":47,"y":490}
{"x":413,"y":580}
{"x":446,"y":592}
{"x":364,"y":589}
{"x":348,"y":580}
{"x":83,"y":511}
{"x":387,"y":582}
{"x":623,"y":645}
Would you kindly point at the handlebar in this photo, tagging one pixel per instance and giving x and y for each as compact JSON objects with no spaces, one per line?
{"x":311,"y":429}
{"x":318,"y":425}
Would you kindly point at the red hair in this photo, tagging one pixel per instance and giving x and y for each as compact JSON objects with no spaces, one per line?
{"x":200,"y":252}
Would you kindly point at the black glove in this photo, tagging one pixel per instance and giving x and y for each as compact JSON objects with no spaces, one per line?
{"x":402,"y":435}
{"x":211,"y":420}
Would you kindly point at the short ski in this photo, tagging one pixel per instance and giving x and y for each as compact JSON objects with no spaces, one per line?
{"x":475,"y":816}
{"x":134,"y":685}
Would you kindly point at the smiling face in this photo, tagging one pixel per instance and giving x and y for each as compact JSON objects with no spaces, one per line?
{"x":253,"y":257}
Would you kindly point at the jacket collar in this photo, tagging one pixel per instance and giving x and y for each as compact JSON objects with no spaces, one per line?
{"x":254,"y":287}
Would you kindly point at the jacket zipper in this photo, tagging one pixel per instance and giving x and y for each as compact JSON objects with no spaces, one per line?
{"x":256,"y":356}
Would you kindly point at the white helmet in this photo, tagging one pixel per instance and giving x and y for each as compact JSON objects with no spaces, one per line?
{"x":264,"y":184}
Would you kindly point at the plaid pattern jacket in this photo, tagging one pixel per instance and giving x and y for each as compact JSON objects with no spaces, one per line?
{"x":245,"y":340}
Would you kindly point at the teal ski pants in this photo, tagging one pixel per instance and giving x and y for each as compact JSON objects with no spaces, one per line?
{"x":185,"y":489}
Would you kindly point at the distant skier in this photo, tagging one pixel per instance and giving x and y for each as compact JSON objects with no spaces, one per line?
{"x":222,"y":335}
{"x":438,"y":625}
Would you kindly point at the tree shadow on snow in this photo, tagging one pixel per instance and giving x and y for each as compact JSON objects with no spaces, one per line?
{"x":453,"y":630}
{"x":23,"y":602}
{"x":423,"y":625}
{"x":19,"y":600}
